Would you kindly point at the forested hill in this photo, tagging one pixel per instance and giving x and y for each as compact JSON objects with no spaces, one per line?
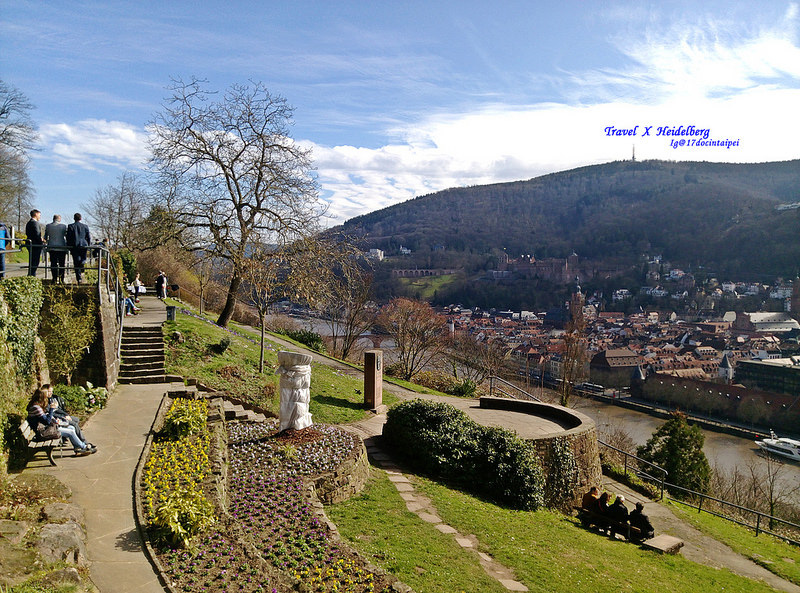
{"x":725,"y":217}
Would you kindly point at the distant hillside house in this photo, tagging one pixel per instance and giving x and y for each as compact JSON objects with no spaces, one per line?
{"x":375,"y":254}
{"x":765,"y":322}
{"x":420,"y":273}
{"x":613,"y":368}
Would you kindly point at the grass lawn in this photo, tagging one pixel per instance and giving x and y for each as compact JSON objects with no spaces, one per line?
{"x":547,"y":551}
{"x":334,"y":398}
{"x":424,"y":287}
{"x":380,"y":526}
{"x":773,"y":554}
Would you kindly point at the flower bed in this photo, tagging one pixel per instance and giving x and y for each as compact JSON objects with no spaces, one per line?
{"x":273,"y":537}
{"x":269,"y":498}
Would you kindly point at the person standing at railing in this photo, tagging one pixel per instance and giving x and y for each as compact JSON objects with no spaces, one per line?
{"x":3,"y":235}
{"x":55,"y":235}
{"x":35,"y":242}
{"x":78,"y":239}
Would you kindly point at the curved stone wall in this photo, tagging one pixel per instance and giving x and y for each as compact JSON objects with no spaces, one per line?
{"x":579,"y":430}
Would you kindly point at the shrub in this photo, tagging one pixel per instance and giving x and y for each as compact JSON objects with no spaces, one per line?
{"x":634,"y":482}
{"x":464,"y":388}
{"x":443,"y":441}
{"x":393,"y":370}
{"x":433,"y":379}
{"x":183,"y":514}
{"x":24,"y":299}
{"x":185,"y":417}
{"x":306,"y":337}
{"x":562,"y":474}
{"x":127,"y":262}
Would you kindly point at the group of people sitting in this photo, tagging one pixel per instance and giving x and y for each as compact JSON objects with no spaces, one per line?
{"x":614,"y":517}
{"x":45,"y":409}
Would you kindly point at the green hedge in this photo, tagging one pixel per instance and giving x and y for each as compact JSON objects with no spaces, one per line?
{"x":442,"y":441}
{"x":21,"y":326}
{"x":20,"y":303}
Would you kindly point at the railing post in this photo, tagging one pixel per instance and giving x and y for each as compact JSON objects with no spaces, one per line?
{"x":491,"y":385}
{"x":700,"y":504}
{"x":758,"y":523}
{"x":626,"y":465}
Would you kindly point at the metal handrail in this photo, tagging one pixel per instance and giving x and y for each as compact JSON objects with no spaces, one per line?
{"x":667,"y":486}
{"x":492,"y":388}
{"x":759,"y":515}
{"x":664,"y":472}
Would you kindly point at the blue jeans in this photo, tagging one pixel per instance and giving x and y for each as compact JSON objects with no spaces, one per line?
{"x":69,"y":433}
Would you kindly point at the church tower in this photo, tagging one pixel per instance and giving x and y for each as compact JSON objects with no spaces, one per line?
{"x":725,"y":371}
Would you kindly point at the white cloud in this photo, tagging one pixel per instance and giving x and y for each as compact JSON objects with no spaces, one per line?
{"x":741,"y":86}
{"x":93,"y":144}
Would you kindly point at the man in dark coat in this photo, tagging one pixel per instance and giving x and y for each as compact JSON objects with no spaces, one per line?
{"x":618,"y":513}
{"x":55,"y":234}
{"x":35,"y":242}
{"x":78,"y":238}
{"x":642,"y":521}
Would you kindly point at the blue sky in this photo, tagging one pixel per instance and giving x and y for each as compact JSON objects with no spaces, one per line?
{"x":399,"y":99}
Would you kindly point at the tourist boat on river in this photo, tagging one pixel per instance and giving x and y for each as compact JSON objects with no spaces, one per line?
{"x":784,"y":447}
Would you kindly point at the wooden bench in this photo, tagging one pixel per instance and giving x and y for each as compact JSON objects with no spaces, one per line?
{"x":33,"y":443}
{"x":589,"y":518}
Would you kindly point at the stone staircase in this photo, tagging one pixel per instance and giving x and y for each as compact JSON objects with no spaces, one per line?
{"x":142,"y":354}
{"x":234,"y":411}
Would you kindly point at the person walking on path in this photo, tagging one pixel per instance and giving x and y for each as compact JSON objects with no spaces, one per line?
{"x":161,"y":285}
{"x":137,"y":287}
{"x":35,"y":242}
{"x":78,"y":239}
{"x":55,"y":235}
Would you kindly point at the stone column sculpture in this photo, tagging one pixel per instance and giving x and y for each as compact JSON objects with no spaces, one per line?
{"x":295,"y":373}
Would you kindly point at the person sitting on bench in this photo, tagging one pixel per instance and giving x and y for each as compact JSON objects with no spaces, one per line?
{"x":589,"y":500}
{"x":618,"y":513}
{"x":642,"y":522}
{"x":37,"y":416}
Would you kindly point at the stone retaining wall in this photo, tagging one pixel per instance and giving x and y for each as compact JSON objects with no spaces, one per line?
{"x":347,"y":480}
{"x":580,"y":432}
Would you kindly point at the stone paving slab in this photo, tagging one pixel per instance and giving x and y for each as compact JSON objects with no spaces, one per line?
{"x":103,"y":485}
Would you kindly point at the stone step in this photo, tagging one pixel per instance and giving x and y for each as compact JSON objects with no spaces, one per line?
{"x":142,"y":356}
{"x":142,"y":336}
{"x":140,"y":373}
{"x":141,"y":340}
{"x":156,"y":367}
{"x":142,"y":346}
{"x":151,"y":379}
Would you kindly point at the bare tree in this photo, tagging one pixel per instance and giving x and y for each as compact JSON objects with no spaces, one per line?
{"x":574,"y":356}
{"x":261,"y":273}
{"x":16,"y":191}
{"x":231,"y":171}
{"x":418,"y":331}
{"x":346,"y":291}
{"x":117,"y":211}
{"x":770,"y":480}
{"x":17,"y":130}
{"x":470,"y":359}
{"x":17,"y":136}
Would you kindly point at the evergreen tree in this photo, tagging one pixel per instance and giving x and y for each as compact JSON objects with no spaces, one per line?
{"x":678,"y":448}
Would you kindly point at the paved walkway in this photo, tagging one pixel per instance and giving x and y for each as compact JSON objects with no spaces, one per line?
{"x":103,"y":483}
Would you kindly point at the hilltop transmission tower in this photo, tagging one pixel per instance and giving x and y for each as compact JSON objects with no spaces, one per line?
{"x":633,"y":158}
